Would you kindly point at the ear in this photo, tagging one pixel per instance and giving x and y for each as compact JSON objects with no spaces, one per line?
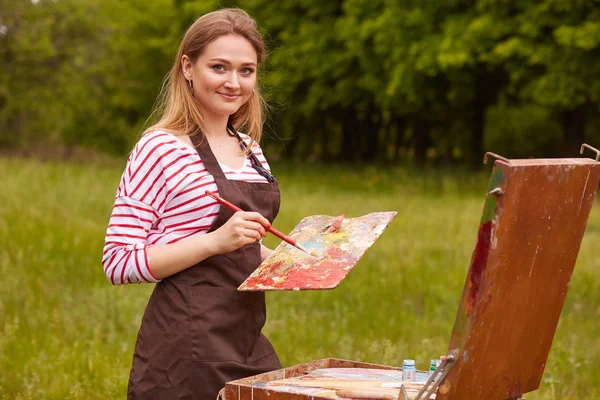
{"x":186,"y":66}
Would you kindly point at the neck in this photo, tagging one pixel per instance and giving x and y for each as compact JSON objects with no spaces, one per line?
{"x":215,"y":125}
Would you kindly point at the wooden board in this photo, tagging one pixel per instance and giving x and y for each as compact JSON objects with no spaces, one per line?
{"x":258,"y":387}
{"x":527,"y":244}
{"x":288,"y":268}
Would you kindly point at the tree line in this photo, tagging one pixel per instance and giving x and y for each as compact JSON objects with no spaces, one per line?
{"x":374,"y":81}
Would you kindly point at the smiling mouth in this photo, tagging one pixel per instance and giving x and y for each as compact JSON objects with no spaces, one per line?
{"x":230,"y":96}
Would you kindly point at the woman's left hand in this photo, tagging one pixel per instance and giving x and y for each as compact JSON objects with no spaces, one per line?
{"x":264,"y":252}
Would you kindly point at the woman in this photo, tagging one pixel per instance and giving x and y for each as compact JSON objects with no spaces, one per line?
{"x":198,"y":331}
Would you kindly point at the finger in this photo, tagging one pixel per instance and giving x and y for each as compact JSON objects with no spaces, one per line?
{"x":251,"y":235}
{"x":336,"y":224}
{"x":240,"y":218}
{"x":254,"y":216}
{"x":256,"y":227}
{"x":237,"y":216}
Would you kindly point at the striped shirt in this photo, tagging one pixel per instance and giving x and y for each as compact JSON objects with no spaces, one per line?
{"x":161,"y":200}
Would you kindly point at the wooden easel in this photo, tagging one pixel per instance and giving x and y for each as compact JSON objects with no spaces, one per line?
{"x":533,"y":221}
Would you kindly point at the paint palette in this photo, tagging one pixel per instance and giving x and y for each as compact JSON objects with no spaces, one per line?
{"x":288,"y":268}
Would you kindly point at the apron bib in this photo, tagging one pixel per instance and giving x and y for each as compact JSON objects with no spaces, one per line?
{"x":198,"y":332}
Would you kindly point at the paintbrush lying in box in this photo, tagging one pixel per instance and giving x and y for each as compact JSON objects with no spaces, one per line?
{"x":274,"y":231}
{"x":354,"y":388}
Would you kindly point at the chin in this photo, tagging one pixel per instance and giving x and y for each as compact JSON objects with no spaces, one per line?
{"x":230,"y":110}
{"x":223,"y":110}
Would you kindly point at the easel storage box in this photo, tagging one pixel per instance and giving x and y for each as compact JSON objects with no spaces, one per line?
{"x":534,"y":218}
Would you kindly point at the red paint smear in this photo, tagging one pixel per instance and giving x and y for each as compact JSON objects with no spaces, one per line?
{"x":324,"y":275}
{"x":334,"y":252}
{"x":264,"y":277}
{"x":479,"y":262}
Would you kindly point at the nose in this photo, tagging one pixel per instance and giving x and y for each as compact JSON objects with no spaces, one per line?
{"x":233,"y":82}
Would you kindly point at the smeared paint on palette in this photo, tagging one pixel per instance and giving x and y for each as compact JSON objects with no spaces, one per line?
{"x":331,"y":383}
{"x":287,"y":268}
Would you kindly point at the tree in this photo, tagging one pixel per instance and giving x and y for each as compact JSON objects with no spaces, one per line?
{"x":552,"y":54}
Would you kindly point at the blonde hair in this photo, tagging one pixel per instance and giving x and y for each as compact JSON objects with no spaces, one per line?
{"x":175,"y":105}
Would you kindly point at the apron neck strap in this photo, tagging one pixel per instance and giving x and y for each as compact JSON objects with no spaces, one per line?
{"x":212,"y":164}
{"x":207,"y":156}
{"x":256,"y":164}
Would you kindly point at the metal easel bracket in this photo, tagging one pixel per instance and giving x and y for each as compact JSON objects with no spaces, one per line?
{"x":442,"y":371}
{"x":496,"y":192}
{"x":496,"y":156}
{"x":587,"y":146}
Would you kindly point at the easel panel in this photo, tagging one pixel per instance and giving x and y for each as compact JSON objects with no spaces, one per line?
{"x":527,"y":245}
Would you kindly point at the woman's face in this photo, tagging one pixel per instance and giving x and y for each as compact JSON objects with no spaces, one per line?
{"x":224,"y":75}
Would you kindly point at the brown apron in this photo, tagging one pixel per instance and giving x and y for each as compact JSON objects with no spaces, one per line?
{"x":198,"y":331}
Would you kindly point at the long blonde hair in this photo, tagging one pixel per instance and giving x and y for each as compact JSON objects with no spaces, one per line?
{"x":175,"y":106}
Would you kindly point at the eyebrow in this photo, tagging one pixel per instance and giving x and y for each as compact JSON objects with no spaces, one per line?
{"x":224,"y":61}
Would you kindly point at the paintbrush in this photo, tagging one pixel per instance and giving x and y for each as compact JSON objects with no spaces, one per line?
{"x":366,"y":394}
{"x":274,"y":231}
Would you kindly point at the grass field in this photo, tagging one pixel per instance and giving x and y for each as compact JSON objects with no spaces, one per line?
{"x":66,"y":333}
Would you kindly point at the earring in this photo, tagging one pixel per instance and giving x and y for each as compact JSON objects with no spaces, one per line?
{"x":191,"y":87}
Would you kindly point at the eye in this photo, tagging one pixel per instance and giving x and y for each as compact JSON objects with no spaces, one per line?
{"x":247,"y":71}
{"x":218,"y":68}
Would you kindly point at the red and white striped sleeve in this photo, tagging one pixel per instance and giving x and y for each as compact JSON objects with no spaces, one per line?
{"x":125,"y":256}
{"x":139,"y":203}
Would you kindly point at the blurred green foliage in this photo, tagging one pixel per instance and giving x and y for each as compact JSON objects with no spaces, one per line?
{"x":349,"y":80}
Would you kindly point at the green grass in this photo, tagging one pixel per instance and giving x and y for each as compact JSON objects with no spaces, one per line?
{"x":66,"y":333}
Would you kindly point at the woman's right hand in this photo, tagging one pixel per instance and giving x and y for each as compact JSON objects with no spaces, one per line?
{"x":243,"y":228}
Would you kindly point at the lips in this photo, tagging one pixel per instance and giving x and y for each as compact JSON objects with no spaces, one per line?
{"x":229,"y":96}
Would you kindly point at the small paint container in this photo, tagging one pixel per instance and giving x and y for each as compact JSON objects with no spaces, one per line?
{"x":433,"y":366}
{"x":409,"y":371}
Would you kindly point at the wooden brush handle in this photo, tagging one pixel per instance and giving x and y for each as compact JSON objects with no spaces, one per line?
{"x":369,"y":394}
